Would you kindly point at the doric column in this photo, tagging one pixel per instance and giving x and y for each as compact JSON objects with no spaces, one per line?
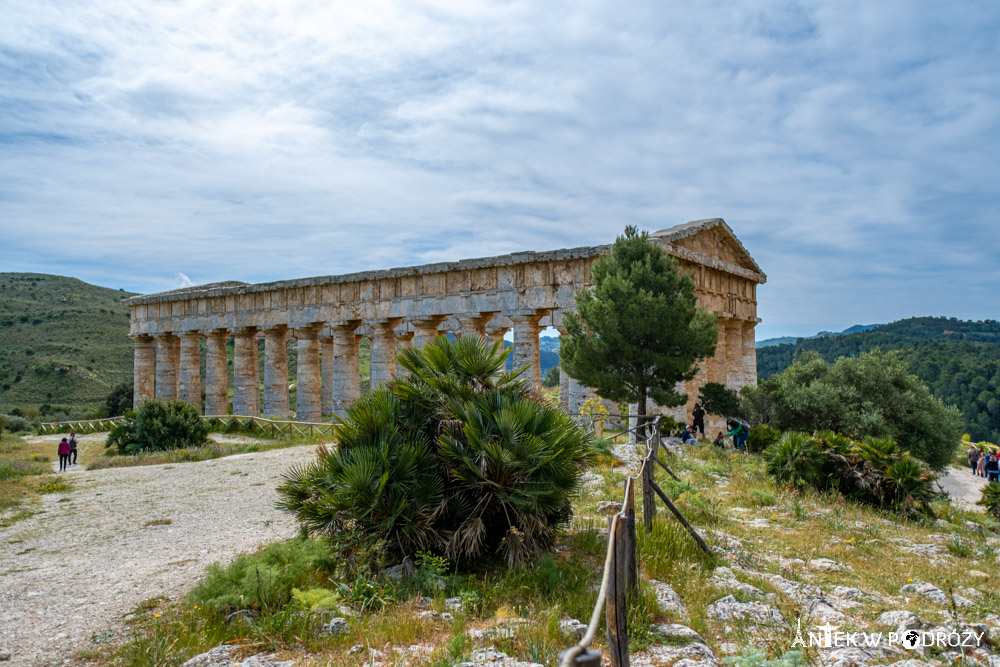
{"x":749,"y":353}
{"x":326,"y":373}
{"x":168,"y":353}
{"x":346,"y":387}
{"x":526,"y":330}
{"x":190,"y":369}
{"x":578,"y":395}
{"x":733,"y":353}
{"x":216,"y":380}
{"x":308,"y":382}
{"x":425,"y":329}
{"x":383,"y":360}
{"x":276,"y":372}
{"x":473,"y":324}
{"x":564,"y":380}
{"x":144,"y":370}
{"x":246,"y":376}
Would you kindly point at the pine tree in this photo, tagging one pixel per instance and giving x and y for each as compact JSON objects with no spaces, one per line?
{"x":639,"y":330}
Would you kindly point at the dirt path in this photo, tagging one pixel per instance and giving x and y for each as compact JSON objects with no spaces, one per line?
{"x":963,"y":487}
{"x":91,"y":555}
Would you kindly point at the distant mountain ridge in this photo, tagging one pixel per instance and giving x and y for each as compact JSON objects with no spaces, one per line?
{"x":788,"y":340}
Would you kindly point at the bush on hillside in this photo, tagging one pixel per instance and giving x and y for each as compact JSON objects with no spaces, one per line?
{"x":156,"y":426}
{"x":871,"y":395}
{"x":454,"y":458}
{"x":991,"y":499}
{"x":119,"y":401}
{"x":4,"y":423}
{"x":16,"y":424}
{"x":875,"y":471}
{"x":263,"y":581}
{"x":761,"y":437}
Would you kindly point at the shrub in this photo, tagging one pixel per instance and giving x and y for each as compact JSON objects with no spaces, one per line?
{"x":454,"y":458}
{"x":263,"y":581}
{"x":119,"y":401}
{"x":16,"y":424}
{"x":991,"y":499}
{"x":4,"y":423}
{"x":761,"y":437}
{"x":157,"y":426}
{"x":796,"y":459}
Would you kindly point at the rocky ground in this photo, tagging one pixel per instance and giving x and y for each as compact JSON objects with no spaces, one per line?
{"x":123,"y":536}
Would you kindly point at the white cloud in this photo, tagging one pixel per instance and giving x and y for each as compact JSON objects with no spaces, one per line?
{"x":851,"y":146}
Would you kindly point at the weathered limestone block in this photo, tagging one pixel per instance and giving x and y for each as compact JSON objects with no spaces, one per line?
{"x":308,"y":379}
{"x":144,"y":373}
{"x":383,"y":359}
{"x":216,"y":380}
{"x":346,"y":385}
{"x":168,"y":352}
{"x":526,"y":330}
{"x":326,"y":373}
{"x":276,"y":372}
{"x":246,"y":376}
{"x":190,"y":369}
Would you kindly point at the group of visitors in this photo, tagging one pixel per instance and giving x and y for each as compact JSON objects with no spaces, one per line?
{"x":67,"y":451}
{"x":739,"y":430}
{"x":984,"y":463}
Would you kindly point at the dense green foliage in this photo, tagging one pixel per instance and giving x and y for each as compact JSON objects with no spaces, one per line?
{"x":718,"y":399}
{"x":871,"y":395}
{"x":264,"y":580}
{"x":639,"y":330}
{"x":551,"y":377}
{"x":156,"y":426}
{"x":761,"y":437}
{"x":876,"y":471}
{"x":62,"y":342}
{"x":991,"y":499}
{"x":454,"y":457}
{"x":119,"y":401}
{"x":959,"y":361}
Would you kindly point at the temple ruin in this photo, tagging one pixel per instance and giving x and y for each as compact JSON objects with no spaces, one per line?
{"x":395,"y":308}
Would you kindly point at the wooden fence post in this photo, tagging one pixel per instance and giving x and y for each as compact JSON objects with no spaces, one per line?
{"x":616,"y":609}
{"x":648,"y":478}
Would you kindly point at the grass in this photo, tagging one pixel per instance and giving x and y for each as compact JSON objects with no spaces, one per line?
{"x":158,"y":522}
{"x":721,"y":493}
{"x":214,"y":450}
{"x":25,"y":475}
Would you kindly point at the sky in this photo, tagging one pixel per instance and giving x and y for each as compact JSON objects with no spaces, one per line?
{"x":852,"y":146}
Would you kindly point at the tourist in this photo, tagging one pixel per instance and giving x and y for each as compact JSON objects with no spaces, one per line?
{"x":63,"y":455}
{"x":72,"y":447}
{"x":739,"y":433}
{"x":687,"y":437}
{"x":981,"y":465}
{"x":699,"y":419}
{"x":993,"y":467}
{"x":973,"y":456}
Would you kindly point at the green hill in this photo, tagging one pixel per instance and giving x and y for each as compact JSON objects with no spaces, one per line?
{"x":63,"y":342}
{"x":958,"y":360}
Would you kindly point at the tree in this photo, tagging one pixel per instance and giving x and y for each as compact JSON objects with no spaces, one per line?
{"x":551,"y":378}
{"x":119,"y":400}
{"x":156,"y":425}
{"x":870,"y":395}
{"x":639,"y":330}
{"x":454,"y":458}
{"x":718,"y":399}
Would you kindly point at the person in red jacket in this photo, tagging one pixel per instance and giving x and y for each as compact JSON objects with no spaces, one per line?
{"x":63,"y":455}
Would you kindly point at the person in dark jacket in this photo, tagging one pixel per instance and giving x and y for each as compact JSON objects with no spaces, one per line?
{"x":687,"y":437}
{"x":993,"y":468}
{"x":72,"y":447}
{"x":63,"y":455}
{"x":698,"y":423}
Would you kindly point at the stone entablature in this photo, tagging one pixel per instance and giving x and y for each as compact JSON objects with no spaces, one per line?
{"x":395,"y":308}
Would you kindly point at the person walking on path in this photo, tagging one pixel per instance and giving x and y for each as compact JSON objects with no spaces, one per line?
{"x":973,"y":456}
{"x":63,"y":455}
{"x":698,"y":423}
{"x":981,"y":465}
{"x":72,"y":447}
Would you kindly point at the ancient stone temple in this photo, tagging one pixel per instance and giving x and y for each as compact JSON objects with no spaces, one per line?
{"x":327,"y":316}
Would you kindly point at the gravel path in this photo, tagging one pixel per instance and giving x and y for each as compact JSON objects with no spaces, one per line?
{"x":89,"y":556}
{"x":963,"y":487}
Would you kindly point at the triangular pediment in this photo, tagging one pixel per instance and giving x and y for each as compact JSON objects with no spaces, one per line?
{"x":711,"y":238}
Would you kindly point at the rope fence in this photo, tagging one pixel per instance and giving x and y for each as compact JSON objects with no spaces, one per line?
{"x":620,"y":578}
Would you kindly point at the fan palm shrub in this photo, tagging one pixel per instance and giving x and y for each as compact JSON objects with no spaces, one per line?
{"x":796,"y":459}
{"x":991,"y":499}
{"x":455,"y":457}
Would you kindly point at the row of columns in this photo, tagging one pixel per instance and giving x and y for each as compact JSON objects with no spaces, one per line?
{"x":167,"y":366}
